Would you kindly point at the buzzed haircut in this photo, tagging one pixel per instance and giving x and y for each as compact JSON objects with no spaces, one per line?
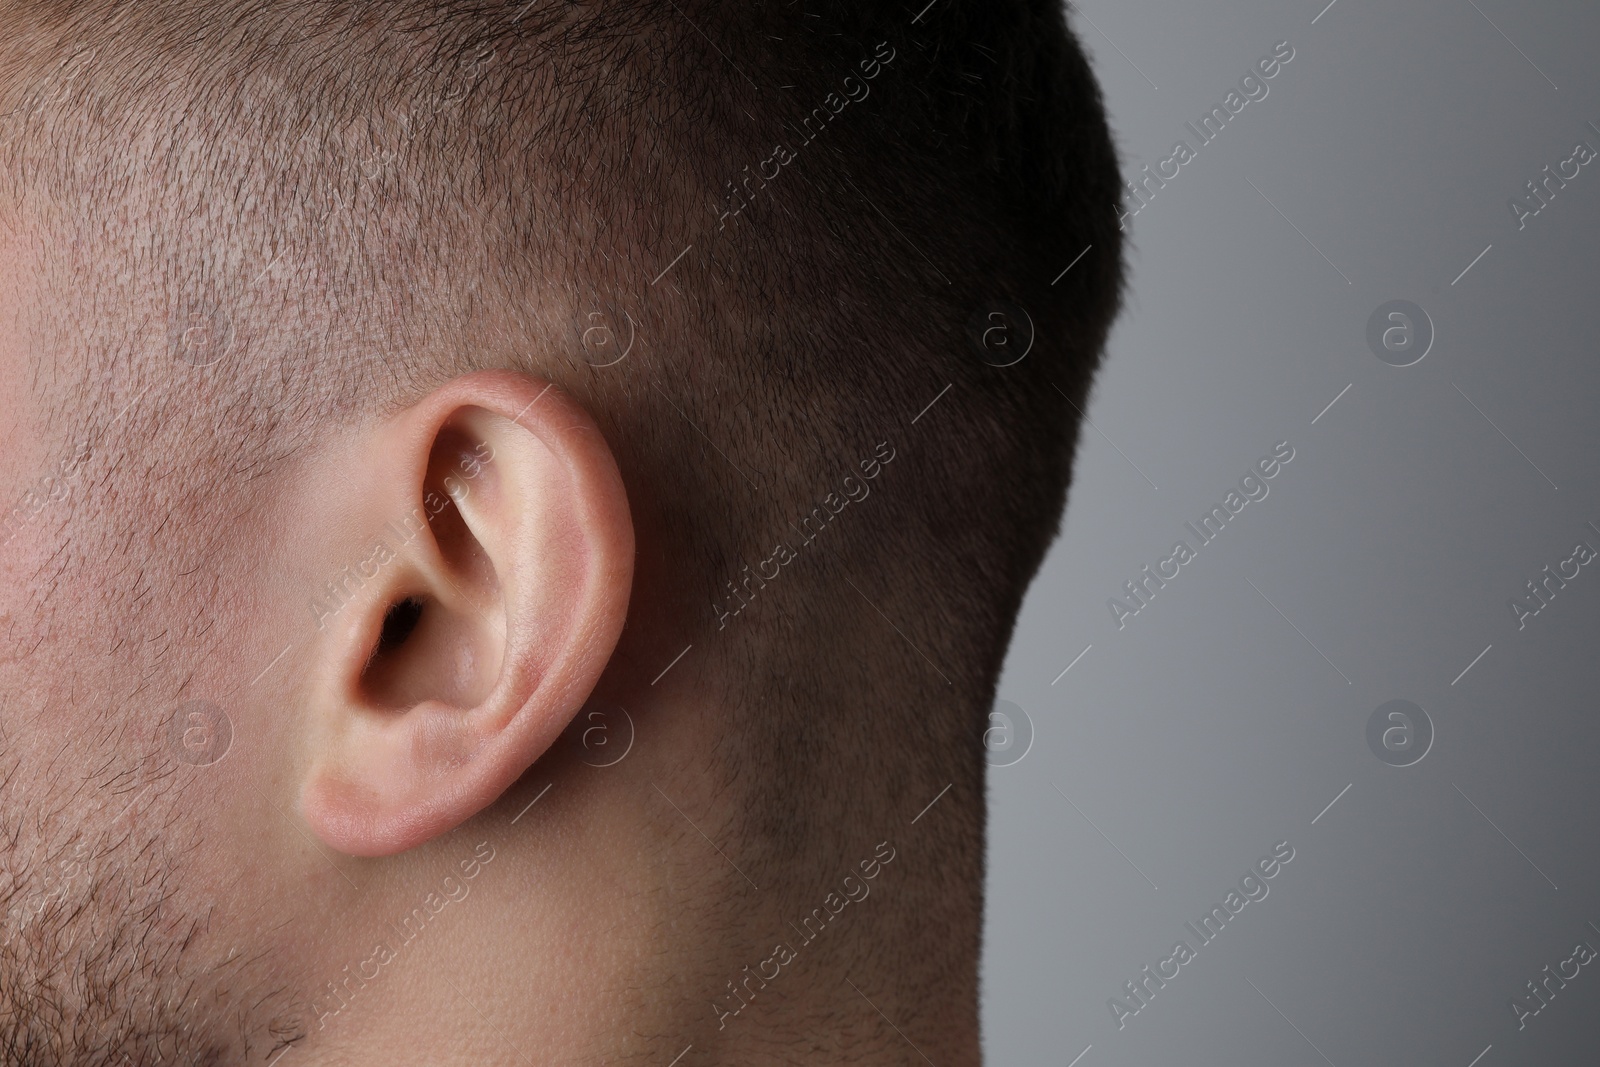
{"x":766,"y":243}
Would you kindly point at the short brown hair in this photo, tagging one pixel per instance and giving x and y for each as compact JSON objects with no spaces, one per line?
{"x":348,"y":203}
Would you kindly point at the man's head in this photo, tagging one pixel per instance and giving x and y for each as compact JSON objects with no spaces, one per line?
{"x":418,"y":409}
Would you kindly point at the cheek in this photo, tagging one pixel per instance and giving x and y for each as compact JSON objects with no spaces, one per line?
{"x":22,"y":428}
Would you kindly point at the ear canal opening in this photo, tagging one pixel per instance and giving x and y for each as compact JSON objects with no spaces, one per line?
{"x":398,"y":624}
{"x":436,"y":640}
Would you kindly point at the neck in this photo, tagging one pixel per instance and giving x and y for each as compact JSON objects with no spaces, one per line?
{"x":636,"y":913}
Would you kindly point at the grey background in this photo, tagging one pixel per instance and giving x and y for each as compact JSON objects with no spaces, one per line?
{"x":1208,"y":728}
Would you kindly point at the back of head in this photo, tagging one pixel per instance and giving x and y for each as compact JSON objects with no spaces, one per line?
{"x":802,"y":265}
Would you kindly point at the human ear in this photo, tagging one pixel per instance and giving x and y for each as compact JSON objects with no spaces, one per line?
{"x":482,"y":561}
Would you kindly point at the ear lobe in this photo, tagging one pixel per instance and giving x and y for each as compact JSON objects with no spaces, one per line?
{"x":489,"y":562}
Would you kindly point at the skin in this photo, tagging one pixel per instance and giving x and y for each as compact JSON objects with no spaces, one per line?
{"x":177,"y":898}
